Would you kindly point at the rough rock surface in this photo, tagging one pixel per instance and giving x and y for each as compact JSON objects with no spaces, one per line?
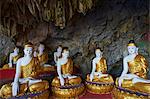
{"x":110,"y":25}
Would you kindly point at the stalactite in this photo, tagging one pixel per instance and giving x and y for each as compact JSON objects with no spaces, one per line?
{"x":58,"y":11}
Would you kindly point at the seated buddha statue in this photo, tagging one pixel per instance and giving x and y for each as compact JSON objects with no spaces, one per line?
{"x":66,"y":85}
{"x":133,"y":81}
{"x":13,"y":57}
{"x":98,"y":81}
{"x":43,"y":58}
{"x":57,"y":54}
{"x":26,"y":70}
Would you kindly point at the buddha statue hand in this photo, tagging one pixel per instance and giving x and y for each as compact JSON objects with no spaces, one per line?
{"x":91,"y":77}
{"x":102,"y":75}
{"x":66,"y":75}
{"x":71,"y":77}
{"x":33,"y":81}
{"x":10,"y":65}
{"x":120,"y":80}
{"x":62,"y":81}
{"x":15,"y":88}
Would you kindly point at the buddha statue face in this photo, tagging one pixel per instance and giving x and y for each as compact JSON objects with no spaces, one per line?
{"x":16,"y":50}
{"x":28,"y":51}
{"x":59,"y":49}
{"x":41,"y":48}
{"x":65,"y":53}
{"x":132,"y":49}
{"x":98,"y":53}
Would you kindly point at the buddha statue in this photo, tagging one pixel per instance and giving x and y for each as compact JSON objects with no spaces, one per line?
{"x":133,"y":82}
{"x":98,"y":81}
{"x":66,"y":85}
{"x":43,"y":58}
{"x":13,"y":57}
{"x":26,"y":70}
{"x":57,"y":54}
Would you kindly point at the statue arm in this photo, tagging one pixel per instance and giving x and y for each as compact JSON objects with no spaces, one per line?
{"x":15,"y":86}
{"x":93,"y":70}
{"x":93,"y":67}
{"x":18,"y":71}
{"x":125,"y":67}
{"x":55,"y":57}
{"x":10,"y":60}
{"x":59,"y":73}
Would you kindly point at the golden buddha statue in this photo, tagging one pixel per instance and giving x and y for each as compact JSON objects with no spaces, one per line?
{"x":43,"y":58}
{"x":98,"y":81}
{"x":133,"y":84}
{"x":26,"y":70}
{"x":13,"y":57}
{"x":66,"y":85}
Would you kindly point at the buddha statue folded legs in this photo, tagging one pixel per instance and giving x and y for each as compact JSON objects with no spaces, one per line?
{"x":25,"y":78}
{"x":98,"y":81}
{"x":135,"y":83}
{"x":66,"y":85}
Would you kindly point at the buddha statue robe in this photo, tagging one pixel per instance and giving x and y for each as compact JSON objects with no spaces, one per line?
{"x":101,"y":67}
{"x":67,"y":69}
{"x":30,"y":70}
{"x":139,"y":67}
{"x":43,"y":59}
{"x":14,"y":59}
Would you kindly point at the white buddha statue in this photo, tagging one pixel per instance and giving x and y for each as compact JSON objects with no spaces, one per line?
{"x":27,"y":68}
{"x":99,"y":75}
{"x":134,"y":74}
{"x":66,"y":78}
{"x":13,"y":57}
{"x":58,"y":54}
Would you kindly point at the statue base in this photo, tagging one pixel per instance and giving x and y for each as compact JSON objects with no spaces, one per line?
{"x":71,"y":91}
{"x":122,"y":93}
{"x":99,"y":88}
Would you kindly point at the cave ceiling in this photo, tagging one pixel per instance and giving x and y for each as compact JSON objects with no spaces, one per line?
{"x":25,"y":13}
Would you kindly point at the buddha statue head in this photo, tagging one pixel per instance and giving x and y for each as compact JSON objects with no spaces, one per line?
{"x":41,"y":47}
{"x":59,"y":48}
{"x":16,"y":50}
{"x":98,"y":52}
{"x":65,"y":52}
{"x":28,"y":49}
{"x":132,"y":49}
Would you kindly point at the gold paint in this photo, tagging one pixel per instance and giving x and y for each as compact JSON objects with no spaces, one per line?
{"x":139,"y":66}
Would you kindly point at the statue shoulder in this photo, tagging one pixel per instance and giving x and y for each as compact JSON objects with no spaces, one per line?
{"x":140,"y":57}
{"x":103,"y":59}
{"x":20,"y":60}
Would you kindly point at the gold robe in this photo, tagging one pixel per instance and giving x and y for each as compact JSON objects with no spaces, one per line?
{"x":67,"y":69}
{"x":139,"y":67}
{"x":101,"y":67}
{"x":15,"y":59}
{"x":29,"y":70}
{"x":43,"y":58}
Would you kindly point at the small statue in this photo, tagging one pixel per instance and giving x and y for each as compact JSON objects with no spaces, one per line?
{"x":13,"y":57}
{"x":58,"y":54}
{"x":26,"y":70}
{"x":98,"y":81}
{"x":65,"y":79}
{"x":136,"y":80}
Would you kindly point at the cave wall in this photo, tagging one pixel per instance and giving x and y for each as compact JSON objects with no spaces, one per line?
{"x":109,"y":25}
